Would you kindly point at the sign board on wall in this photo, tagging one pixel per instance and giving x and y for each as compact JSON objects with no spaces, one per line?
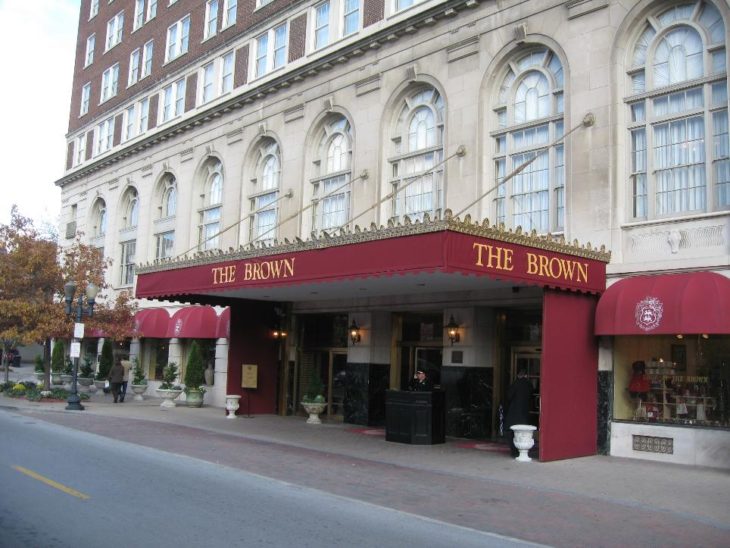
{"x":249,"y":376}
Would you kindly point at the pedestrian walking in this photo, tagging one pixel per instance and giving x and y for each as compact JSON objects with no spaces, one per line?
{"x":127,"y":365}
{"x":116,"y":377}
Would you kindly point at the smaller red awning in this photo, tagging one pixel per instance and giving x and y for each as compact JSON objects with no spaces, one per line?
{"x":152,"y":323}
{"x":666,"y":304}
{"x":224,"y":324}
{"x":194,"y":322}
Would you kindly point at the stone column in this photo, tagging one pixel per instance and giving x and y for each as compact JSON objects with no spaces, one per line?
{"x":217,"y":395}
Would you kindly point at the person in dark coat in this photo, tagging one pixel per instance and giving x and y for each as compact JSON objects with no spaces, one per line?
{"x":421,"y":383}
{"x":518,"y":406}
{"x":116,"y":377}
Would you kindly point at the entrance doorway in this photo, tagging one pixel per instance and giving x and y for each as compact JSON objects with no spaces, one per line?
{"x":420,"y":358}
{"x":329,"y":365}
{"x":528,"y":359}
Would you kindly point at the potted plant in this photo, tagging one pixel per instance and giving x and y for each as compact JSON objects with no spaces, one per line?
{"x":105,"y":364}
{"x":39,"y":369}
{"x":57,"y":362}
{"x":168,"y":390}
{"x":86,"y":373}
{"x":194,"y":377}
{"x":313,"y":400}
{"x":139,"y":382}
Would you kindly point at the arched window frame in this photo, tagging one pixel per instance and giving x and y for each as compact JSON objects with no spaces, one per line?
{"x":99,"y":218}
{"x":535,"y":197}
{"x":264,"y":196}
{"x":131,"y":209}
{"x":417,"y":173}
{"x":679,"y":145}
{"x":165,"y":225}
{"x":210,"y":214}
{"x":168,"y":203}
{"x":331,"y":189}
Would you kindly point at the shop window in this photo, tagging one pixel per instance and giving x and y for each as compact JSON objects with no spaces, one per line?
{"x":671,"y":381}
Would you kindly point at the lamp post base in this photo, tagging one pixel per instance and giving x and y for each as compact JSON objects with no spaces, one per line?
{"x":74,"y":403}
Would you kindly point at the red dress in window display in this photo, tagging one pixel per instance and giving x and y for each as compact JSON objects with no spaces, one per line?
{"x":639,"y":384}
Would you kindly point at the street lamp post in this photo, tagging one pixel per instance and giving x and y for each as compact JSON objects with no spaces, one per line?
{"x":78,"y":313}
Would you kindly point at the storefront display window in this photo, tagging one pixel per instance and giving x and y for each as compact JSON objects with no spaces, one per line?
{"x":675,"y":380}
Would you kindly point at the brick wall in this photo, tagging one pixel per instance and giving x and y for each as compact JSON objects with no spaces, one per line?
{"x":374,"y":11}
{"x":240,"y":76}
{"x":297,"y":37}
{"x":191,"y":88}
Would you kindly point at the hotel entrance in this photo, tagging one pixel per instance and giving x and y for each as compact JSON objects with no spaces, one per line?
{"x":420,"y":347}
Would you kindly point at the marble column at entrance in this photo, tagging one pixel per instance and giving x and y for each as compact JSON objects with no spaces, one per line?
{"x":174,"y":354}
{"x":216,"y":395}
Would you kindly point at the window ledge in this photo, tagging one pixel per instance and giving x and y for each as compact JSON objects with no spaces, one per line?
{"x":674,"y":220}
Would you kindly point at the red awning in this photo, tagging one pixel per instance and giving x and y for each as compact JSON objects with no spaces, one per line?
{"x":194,"y":322}
{"x":224,"y":324}
{"x":152,"y":323}
{"x":667,"y":304}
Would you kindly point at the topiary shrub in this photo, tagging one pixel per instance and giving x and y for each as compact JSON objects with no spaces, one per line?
{"x":194,"y":374}
{"x":105,"y":360}
{"x":58,"y":357}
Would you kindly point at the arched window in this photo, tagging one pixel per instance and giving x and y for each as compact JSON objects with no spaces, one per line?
{"x":529,"y":116}
{"x":209,"y":227}
{"x":264,"y":198}
{"x":331,"y":187}
{"x":165,"y":225}
{"x":416,"y":154}
{"x":131,"y":209}
{"x":677,"y":111}
{"x":98,"y":218}
{"x":168,"y":207}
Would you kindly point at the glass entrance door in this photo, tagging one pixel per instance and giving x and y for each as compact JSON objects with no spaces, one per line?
{"x":529,"y":360}
{"x":426,"y":358}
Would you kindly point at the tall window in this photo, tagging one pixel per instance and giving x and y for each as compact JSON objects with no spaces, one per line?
{"x":138,"y":14}
{"x":114,"y":30}
{"x":331,"y":189}
{"x":271,"y":49}
{"x":417,"y":152}
{"x":177,"y":39}
{"x":321,"y":25}
{"x":85,"y":98}
{"x":127,"y":262}
{"x":529,"y":116}
{"x":263,"y":200}
{"x":151,"y":9}
{"x":227,"y":73}
{"x":351,"y":22}
{"x":93,"y":8}
{"x":131,"y":209}
{"x":90,"y":45}
{"x":210,"y":214}
{"x":165,"y":243}
{"x":110,"y":82}
{"x":164,"y":225}
{"x":168,"y":207}
{"x":104,"y":135}
{"x":678,"y":114}
{"x":134,"y":59}
{"x":211,"y":18}
{"x":79,"y":149}
{"x":173,"y":100}
{"x":147,"y":59}
{"x":229,"y":12}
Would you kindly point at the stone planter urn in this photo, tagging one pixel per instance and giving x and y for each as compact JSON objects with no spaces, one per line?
{"x":40,"y":375}
{"x":232,"y":405}
{"x":194,"y":398}
{"x":167,"y":397}
{"x":138,"y":390}
{"x":523,"y":440}
{"x":85,"y":382}
{"x":314,"y":409}
{"x":56,"y":378}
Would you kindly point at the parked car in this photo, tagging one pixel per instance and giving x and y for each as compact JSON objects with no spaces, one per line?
{"x":13,"y":357}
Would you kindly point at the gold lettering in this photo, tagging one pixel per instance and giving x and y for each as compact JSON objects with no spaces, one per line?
{"x":555,"y":261}
{"x":265,"y":270}
{"x":215,"y":270}
{"x":531,"y":263}
{"x":256,"y":271}
{"x":479,"y":247}
{"x":582,"y":272}
{"x":508,"y":254}
{"x":289,"y":267}
{"x":248,"y":272}
{"x":568,"y":268}
{"x":544,"y":271}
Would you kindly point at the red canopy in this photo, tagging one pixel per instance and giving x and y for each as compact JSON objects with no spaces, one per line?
{"x":152,"y":322}
{"x":194,"y":322}
{"x":667,"y":304}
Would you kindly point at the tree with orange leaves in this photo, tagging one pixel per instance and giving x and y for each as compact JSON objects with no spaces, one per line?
{"x":32,"y":275}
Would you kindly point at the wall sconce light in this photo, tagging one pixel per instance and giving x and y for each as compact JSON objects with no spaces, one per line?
{"x":278,"y":333}
{"x":452,"y":330}
{"x":680,"y":336}
{"x":354,"y":333}
{"x":705,"y":336}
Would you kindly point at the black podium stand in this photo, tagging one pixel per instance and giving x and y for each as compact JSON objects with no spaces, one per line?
{"x":415,"y":417}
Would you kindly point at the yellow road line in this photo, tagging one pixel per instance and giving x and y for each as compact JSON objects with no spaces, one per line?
{"x":67,"y":490}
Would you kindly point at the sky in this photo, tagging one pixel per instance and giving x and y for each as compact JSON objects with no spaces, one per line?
{"x":37,"y":48}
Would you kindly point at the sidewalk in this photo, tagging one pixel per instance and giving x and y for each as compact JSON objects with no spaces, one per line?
{"x":700,"y":494}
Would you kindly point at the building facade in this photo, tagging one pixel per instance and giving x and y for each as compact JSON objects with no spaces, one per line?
{"x":309,"y":167}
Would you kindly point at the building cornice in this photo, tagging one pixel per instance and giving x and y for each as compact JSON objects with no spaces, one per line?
{"x":292,"y":77}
